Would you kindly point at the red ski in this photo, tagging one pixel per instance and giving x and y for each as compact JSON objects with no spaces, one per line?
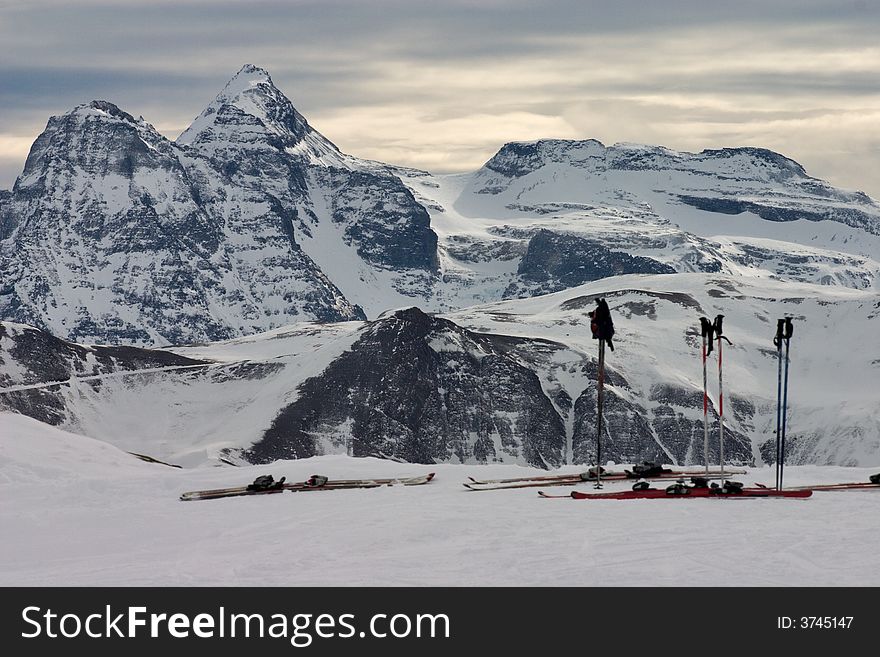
{"x":693,"y":493}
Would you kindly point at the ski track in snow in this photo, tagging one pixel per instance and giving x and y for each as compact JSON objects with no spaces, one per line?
{"x":72,"y":381}
{"x":77,"y":511}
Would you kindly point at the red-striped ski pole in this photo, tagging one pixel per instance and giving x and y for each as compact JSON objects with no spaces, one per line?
{"x":719,"y":334}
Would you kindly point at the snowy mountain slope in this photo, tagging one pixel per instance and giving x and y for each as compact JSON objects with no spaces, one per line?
{"x":728,"y":181}
{"x":185,"y":409}
{"x":358,"y":222}
{"x":835,"y":367}
{"x":619,"y":209}
{"x":33,"y":363}
{"x":123,"y":525}
{"x":514,"y":382}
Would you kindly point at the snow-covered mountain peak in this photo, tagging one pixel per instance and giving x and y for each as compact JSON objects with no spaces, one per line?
{"x":251,"y":112}
{"x":98,"y":112}
{"x":102,"y":108}
{"x":757,"y":157}
{"x":97,"y":137}
{"x":519,"y":158}
{"x":250,"y":75}
{"x":252,"y":90}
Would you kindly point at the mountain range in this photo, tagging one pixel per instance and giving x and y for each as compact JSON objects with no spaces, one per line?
{"x":263,"y":295}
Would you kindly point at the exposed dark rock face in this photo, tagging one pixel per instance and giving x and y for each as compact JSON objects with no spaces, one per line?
{"x":389,"y":228}
{"x":422,"y":389}
{"x":555,"y":261}
{"x":678,"y":298}
{"x":849,"y":216}
{"x":467,"y":249}
{"x":627,"y":435}
{"x":678,"y":419}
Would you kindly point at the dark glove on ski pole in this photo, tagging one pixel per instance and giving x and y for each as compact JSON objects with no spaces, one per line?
{"x":708,"y":332}
{"x":716,"y":326}
{"x":601,"y":324}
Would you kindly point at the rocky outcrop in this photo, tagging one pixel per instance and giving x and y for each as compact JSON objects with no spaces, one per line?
{"x":424,"y":390}
{"x":555,"y":261}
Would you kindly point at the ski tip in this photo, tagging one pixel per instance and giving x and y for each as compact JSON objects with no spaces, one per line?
{"x":430,"y":476}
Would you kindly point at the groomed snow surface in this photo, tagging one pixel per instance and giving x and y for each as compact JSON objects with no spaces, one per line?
{"x":77,"y":511}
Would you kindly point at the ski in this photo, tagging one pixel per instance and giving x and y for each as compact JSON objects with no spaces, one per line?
{"x":294,"y":488}
{"x":514,"y":480}
{"x":574,"y":480}
{"x":526,"y":484}
{"x":832,"y":487}
{"x":548,"y":496}
{"x":692,"y":493}
{"x":330,"y":484}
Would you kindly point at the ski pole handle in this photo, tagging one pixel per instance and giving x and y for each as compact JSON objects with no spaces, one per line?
{"x":780,"y":333}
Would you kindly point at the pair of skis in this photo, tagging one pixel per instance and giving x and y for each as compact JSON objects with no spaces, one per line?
{"x":314,"y":484}
{"x":721,"y":492}
{"x":575,"y":479}
{"x":684,"y":493}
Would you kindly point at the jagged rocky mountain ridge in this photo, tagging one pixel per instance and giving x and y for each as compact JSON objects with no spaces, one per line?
{"x":252,"y":219}
{"x":116,"y":234}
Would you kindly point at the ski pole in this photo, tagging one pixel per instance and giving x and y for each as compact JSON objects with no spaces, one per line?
{"x":780,"y":329}
{"x":789,"y":331}
{"x":720,"y":414}
{"x":719,"y":334}
{"x":600,"y":403}
{"x":602,"y":328}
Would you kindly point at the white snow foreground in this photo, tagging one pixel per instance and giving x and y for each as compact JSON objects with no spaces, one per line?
{"x":76,"y":511}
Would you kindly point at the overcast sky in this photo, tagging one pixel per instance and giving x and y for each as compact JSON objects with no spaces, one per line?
{"x":441,"y":85}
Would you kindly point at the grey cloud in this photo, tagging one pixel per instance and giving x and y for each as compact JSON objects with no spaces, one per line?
{"x":166,"y":60}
